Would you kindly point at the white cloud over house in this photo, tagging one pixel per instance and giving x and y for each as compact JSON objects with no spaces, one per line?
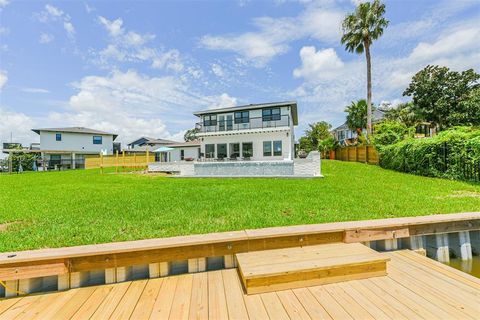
{"x":3,"y":78}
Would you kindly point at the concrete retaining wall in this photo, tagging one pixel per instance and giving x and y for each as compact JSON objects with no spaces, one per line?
{"x":181,"y":168}
{"x":310,"y":166}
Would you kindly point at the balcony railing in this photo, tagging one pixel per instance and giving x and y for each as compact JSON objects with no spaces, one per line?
{"x":253,"y":123}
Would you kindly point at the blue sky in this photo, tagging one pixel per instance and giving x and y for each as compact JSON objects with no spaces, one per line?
{"x":142,"y":67}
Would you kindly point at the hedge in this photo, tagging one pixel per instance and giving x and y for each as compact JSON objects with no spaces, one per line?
{"x":452,"y":154}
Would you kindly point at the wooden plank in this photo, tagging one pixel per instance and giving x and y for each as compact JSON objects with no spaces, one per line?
{"x":291,"y":304}
{"x":109,"y":304}
{"x":274,"y":306}
{"x":234,"y":295}
{"x":67,"y":307}
{"x":333,"y":308}
{"x":354,"y":308}
{"x":8,"y":303}
{"x":163,"y":304}
{"x":181,"y":301}
{"x":363,"y":235}
{"x":40,"y":305}
{"x":199,"y":299}
{"x":255,"y":308}
{"x":18,"y":308}
{"x":314,"y":309}
{"x":217,"y":304}
{"x":376,"y":311}
{"x":125,"y":307}
{"x":32,"y":270}
{"x":92,"y":303}
{"x":147,"y":300}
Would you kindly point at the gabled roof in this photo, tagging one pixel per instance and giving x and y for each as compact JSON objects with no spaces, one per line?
{"x":194,"y":143}
{"x":292,"y":104}
{"x":75,"y":130}
{"x":146,"y":140}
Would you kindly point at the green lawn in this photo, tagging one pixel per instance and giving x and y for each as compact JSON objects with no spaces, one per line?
{"x":39,"y":210}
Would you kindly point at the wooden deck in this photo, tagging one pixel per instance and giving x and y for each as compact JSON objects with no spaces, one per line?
{"x":415,"y":288}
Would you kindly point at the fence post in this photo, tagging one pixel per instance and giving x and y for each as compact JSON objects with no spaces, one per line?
{"x":135,"y":160}
{"x":101,"y":162}
{"x":116,"y":158}
{"x":123,"y":159}
{"x":147,"y":160}
{"x":356,"y":154}
{"x":366,"y":154}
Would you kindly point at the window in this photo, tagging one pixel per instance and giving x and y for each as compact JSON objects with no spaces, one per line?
{"x":182,"y":154}
{"x":234,"y":150}
{"x":271,"y":114}
{"x":210,"y":120}
{"x":58,"y":137}
{"x":97,"y":139}
{"x":247,"y":148}
{"x":241,"y":117}
{"x":277,"y":148}
{"x":221,"y":150}
{"x":209,"y":151}
{"x":267,"y":148}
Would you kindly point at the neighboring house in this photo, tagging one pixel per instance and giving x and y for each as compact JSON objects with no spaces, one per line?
{"x":67,"y":147}
{"x":256,"y":131}
{"x":179,"y":151}
{"x":345,"y":136}
{"x":143,"y":144}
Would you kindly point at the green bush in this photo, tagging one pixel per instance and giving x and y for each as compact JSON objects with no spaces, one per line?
{"x":390,"y":132}
{"x":453,"y":154}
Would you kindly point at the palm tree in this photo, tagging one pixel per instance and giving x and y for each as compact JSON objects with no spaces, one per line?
{"x":360,"y":28}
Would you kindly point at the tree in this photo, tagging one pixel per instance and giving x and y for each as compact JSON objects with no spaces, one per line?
{"x":360,"y":29}
{"x":190,"y":135}
{"x":390,"y":132}
{"x":316,"y":133}
{"x":357,"y":115}
{"x":405,"y":113}
{"x":444,"y":97}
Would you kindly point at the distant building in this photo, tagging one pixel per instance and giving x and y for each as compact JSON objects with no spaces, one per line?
{"x":345,"y":136}
{"x":143,"y":143}
{"x":67,"y":147}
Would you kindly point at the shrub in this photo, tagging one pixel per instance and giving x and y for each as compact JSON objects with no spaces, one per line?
{"x":453,"y":154}
{"x":390,"y":132}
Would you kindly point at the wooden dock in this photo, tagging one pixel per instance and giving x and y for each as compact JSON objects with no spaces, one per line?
{"x":415,"y":288}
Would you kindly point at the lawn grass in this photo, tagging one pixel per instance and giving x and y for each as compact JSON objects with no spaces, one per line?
{"x":55,"y":209}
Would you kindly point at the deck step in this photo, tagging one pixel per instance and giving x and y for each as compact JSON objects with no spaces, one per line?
{"x":282,"y":269}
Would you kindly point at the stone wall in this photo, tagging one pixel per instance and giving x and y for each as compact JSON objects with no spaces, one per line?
{"x":244,"y":168}
{"x":310,"y":166}
{"x":181,"y":168}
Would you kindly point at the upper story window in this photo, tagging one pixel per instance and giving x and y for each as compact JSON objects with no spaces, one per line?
{"x":58,"y":137}
{"x":242,"y":117}
{"x":271,"y":114}
{"x":210,"y":120}
{"x":97,"y":139}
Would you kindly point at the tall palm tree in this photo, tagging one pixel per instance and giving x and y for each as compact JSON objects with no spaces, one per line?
{"x":360,"y":29}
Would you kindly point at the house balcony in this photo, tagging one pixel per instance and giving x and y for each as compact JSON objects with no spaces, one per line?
{"x":256,"y":123}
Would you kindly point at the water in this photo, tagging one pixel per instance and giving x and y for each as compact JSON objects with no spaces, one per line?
{"x":470,"y":266}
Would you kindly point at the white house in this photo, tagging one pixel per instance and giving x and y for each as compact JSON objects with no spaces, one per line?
{"x":178,"y":151}
{"x":252,"y":132}
{"x":143,"y":144}
{"x":67,"y":147}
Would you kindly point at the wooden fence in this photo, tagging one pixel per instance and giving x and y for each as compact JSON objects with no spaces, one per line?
{"x":135,"y":160}
{"x":365,"y":154}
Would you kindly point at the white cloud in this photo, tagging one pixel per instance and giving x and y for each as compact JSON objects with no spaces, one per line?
{"x":35,"y":90}
{"x":319,"y":21}
{"x":223,"y":101}
{"x":4,"y":3}
{"x":4,"y":31}
{"x":218,"y":70}
{"x":318,"y":65}
{"x":18,"y":124}
{"x":456,"y":42}
{"x":46,"y":38}
{"x":68,"y":26}
{"x":130,"y":46}
{"x":52,"y":13}
{"x":114,"y":27}
{"x":3,"y":78}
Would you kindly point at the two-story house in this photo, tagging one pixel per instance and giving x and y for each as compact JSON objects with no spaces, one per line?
{"x":67,"y":147}
{"x":251,"y":132}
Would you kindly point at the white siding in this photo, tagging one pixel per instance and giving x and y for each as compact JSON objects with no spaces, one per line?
{"x":257,"y":139}
{"x":190,"y":152}
{"x":80,"y":142}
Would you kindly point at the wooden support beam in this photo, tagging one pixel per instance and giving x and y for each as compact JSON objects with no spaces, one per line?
{"x":78,"y":279}
{"x":197,"y":265}
{"x":33,"y":270}
{"x":229,"y":261}
{"x":63,"y":282}
{"x":30,"y":285}
{"x":387,"y":245}
{"x":11,"y":288}
{"x":364,"y":235}
{"x":123,"y":273}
